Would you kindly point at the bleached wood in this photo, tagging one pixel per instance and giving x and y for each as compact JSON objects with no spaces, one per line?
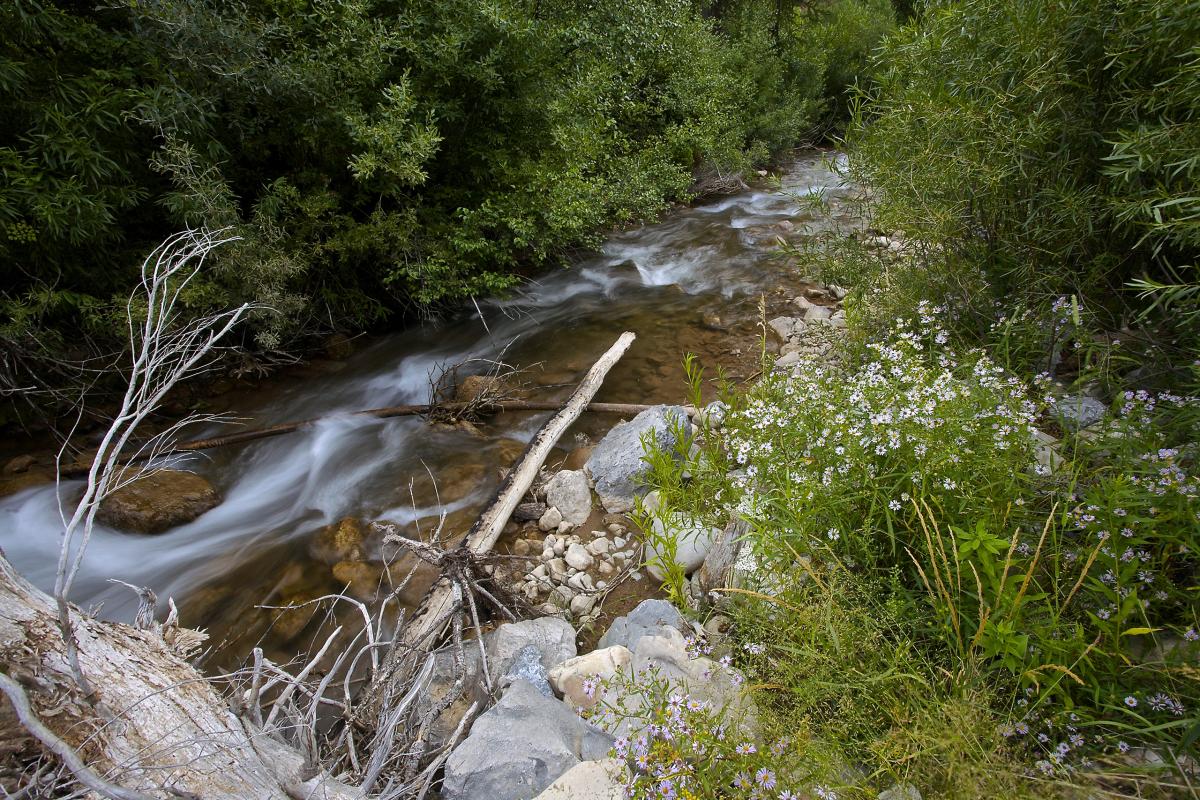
{"x":438,"y":606}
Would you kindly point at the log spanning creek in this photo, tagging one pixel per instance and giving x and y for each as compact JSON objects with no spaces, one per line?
{"x":291,"y":506}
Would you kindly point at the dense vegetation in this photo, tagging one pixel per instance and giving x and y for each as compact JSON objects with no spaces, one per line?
{"x":954,"y":585}
{"x":375,"y":157}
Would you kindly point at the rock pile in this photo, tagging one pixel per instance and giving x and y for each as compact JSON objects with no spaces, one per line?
{"x":572,"y":570}
{"x":531,"y":744}
{"x":810,"y":334}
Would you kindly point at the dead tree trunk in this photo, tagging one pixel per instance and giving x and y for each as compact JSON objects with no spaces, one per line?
{"x":167,"y":732}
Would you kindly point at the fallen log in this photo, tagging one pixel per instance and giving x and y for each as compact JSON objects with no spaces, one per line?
{"x":386,"y":412}
{"x":427,"y":625}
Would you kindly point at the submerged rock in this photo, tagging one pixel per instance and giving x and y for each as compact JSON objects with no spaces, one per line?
{"x":345,"y":540}
{"x":158,"y":501}
{"x":617,"y":464}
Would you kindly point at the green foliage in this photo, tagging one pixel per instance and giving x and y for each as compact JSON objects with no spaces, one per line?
{"x":1052,"y":144}
{"x":375,"y":155}
{"x":1065,"y":593}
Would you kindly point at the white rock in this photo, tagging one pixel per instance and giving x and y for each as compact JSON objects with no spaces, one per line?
{"x":582,"y":604}
{"x":562,"y":596}
{"x":559,"y":547}
{"x":599,"y":546}
{"x":692,"y":541}
{"x":551,"y":519}
{"x":578,"y":556}
{"x":618,"y":542}
{"x":787,"y":360}
{"x":578,"y":582}
{"x":616,"y":529}
{"x":567,"y":678}
{"x":713,"y":415}
{"x":558,"y":569}
{"x":539,"y":572}
{"x":590,"y":780}
{"x":605,"y":569}
{"x":568,"y":491}
{"x":564,"y":528}
{"x":785,"y":327}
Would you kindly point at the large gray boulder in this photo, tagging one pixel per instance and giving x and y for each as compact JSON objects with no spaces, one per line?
{"x":519,"y":747}
{"x":568,"y":491}
{"x":650,"y":618}
{"x":617,"y":466}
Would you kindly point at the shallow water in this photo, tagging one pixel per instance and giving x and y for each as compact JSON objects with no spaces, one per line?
{"x":689,"y":283}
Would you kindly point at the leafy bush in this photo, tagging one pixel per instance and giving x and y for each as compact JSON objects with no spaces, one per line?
{"x":1046,"y":142}
{"x":374,"y":156}
{"x":1060,"y":587}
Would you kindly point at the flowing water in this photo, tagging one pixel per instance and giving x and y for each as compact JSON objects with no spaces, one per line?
{"x":690,"y":283}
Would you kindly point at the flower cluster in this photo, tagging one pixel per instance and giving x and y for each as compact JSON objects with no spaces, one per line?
{"x":916,"y":418}
{"x":681,"y":746}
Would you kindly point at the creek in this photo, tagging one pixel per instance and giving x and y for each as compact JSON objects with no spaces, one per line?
{"x":691,"y":282}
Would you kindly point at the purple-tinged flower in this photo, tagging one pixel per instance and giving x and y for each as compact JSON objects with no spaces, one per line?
{"x":765,"y":778}
{"x":1131,"y":701}
{"x":746,"y":749}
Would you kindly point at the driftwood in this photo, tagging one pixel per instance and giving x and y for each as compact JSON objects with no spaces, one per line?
{"x":164,"y":727}
{"x":441,"y":604}
{"x":387,"y":412}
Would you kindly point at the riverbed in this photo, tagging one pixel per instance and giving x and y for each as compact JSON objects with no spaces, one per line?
{"x":691,"y":282}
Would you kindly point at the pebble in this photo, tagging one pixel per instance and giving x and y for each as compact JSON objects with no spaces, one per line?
{"x":531,"y":591}
{"x":582,"y":604}
{"x":548,"y":554}
{"x":521,"y":547}
{"x":564,"y":528}
{"x":601,"y":585}
{"x":618,"y":542}
{"x":559,"y":547}
{"x":551,"y":519}
{"x":581,"y":582}
{"x":615,"y":529}
{"x":558,"y":569}
{"x":539,"y":572}
{"x":599,"y":547}
{"x":561,"y":597}
{"x":578,"y":556}
{"x":606,"y":569}
{"x":637,"y":576}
